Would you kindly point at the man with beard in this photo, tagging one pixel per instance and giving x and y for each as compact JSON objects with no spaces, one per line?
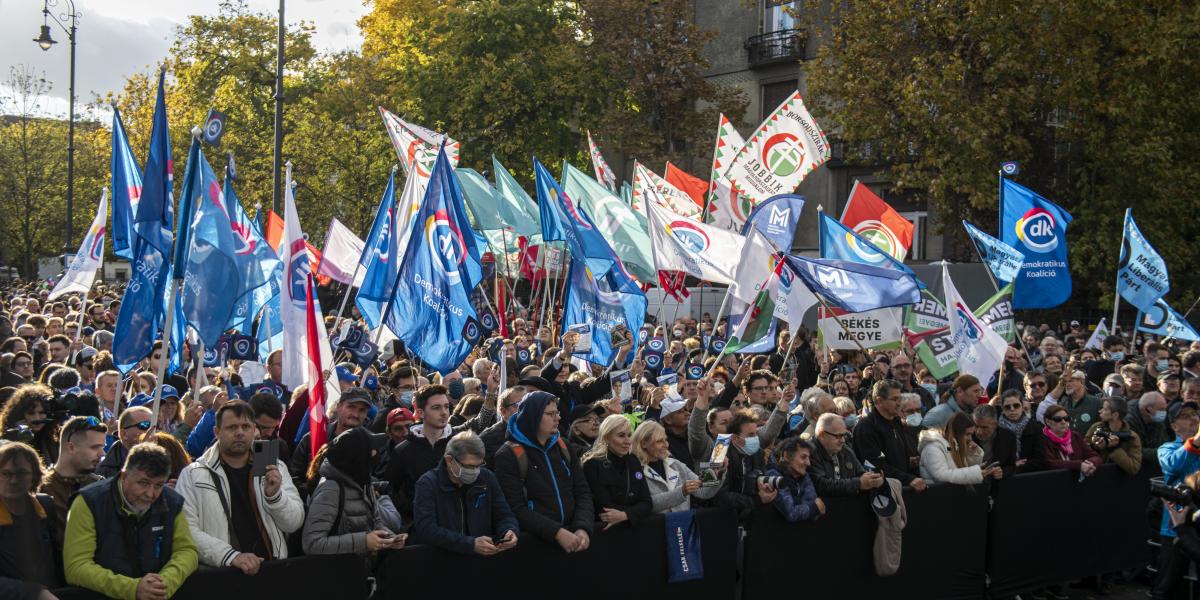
{"x":237,"y":518}
{"x":80,"y":448}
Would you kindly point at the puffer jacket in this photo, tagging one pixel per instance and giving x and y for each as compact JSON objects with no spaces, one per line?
{"x":357,"y":516}
{"x":666,"y":494}
{"x":207,"y":508}
{"x":937,"y":464}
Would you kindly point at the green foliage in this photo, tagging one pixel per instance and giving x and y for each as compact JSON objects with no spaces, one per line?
{"x":1091,"y":99}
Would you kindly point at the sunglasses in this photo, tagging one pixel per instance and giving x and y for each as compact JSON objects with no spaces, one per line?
{"x":1037,"y":384}
{"x":143,"y":425}
{"x":1062,"y":419}
{"x":841,"y":436}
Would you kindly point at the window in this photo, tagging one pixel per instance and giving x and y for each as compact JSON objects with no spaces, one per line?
{"x":918,"y":218}
{"x":777,"y":15}
{"x":773,"y":94}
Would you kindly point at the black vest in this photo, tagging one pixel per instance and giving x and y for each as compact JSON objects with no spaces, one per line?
{"x":126,"y":544}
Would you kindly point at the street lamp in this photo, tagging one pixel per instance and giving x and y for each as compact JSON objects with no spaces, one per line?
{"x":45,"y":42}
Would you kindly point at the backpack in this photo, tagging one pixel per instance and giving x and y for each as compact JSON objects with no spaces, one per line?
{"x":523,"y":461}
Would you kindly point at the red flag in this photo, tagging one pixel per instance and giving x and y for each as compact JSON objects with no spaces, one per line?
{"x":869,"y":216}
{"x":689,"y":184}
{"x":317,"y":423}
{"x":275,"y":238}
{"x":673,"y":283}
{"x":501,"y":307}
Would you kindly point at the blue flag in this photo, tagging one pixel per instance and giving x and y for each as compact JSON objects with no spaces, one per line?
{"x":380,"y":259}
{"x":126,"y":190}
{"x":1037,"y":228}
{"x":269,"y":332}
{"x":606,"y":303}
{"x":842,"y":243}
{"x":563,"y":220}
{"x":855,"y":287}
{"x":211,"y":275}
{"x":1162,"y":320}
{"x":144,"y":305}
{"x":431,"y":300}
{"x":776,"y":219}
{"x":1141,"y":274}
{"x":258,"y":264}
{"x":1002,"y":260}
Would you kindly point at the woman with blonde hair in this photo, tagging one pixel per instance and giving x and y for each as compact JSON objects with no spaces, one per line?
{"x":671,"y":482}
{"x":949,"y":455}
{"x":614,"y":474}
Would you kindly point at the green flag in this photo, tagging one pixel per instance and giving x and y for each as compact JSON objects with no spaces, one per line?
{"x":936,"y":351}
{"x":625,"y":229}
{"x":515,"y":207}
{"x":480,"y":199}
{"x":756,"y":322}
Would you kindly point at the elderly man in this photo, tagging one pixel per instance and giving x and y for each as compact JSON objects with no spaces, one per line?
{"x":815,"y":402}
{"x":131,"y":428}
{"x":1071,"y":393}
{"x":459,"y":506}
{"x":999,"y":445}
{"x":1148,"y":421}
{"x":835,"y":470}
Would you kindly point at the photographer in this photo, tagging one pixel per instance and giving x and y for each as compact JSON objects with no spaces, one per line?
{"x":1113,"y":439}
{"x":1179,"y":509}
{"x":26,"y":418}
{"x":796,"y":498}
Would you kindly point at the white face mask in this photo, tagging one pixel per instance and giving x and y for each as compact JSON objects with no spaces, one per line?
{"x":467,"y":475}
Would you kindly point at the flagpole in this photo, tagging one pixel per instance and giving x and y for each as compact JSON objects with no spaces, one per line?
{"x":720,"y":311}
{"x":1018,"y":335}
{"x":169,"y":322}
{"x":266,"y":316}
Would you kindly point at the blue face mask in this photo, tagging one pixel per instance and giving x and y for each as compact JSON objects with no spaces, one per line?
{"x":1161,"y":366}
{"x":1116,"y":356}
{"x":913,"y":420}
{"x":931,"y":388}
{"x":405,"y":399}
{"x":751,"y":447}
{"x":1160,"y":416}
{"x":851,"y":421}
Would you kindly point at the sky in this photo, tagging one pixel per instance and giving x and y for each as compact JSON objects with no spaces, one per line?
{"x":117,"y":38}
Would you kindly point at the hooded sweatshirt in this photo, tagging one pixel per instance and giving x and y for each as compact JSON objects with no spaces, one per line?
{"x":554,"y":493}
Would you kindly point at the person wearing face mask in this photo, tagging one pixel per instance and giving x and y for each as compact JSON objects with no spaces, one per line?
{"x":459,"y":505}
{"x":910,"y":412}
{"x":1114,"y":348}
{"x":742,"y":490}
{"x":1157,"y":363}
{"x":1148,"y":420}
{"x":127,"y":536}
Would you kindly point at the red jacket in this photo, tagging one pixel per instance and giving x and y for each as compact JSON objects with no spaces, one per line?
{"x":1080,"y":452}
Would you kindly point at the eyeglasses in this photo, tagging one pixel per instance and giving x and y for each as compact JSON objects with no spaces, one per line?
{"x":1062,"y":419}
{"x":841,"y":436}
{"x":1037,"y":384}
{"x":1012,"y":406}
{"x":143,"y":425}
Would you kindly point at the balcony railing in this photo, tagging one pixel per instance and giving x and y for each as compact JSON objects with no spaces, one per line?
{"x":775,"y":47}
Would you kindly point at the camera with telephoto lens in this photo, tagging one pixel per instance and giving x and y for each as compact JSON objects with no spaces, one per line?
{"x":1122,"y":436}
{"x":771,"y":481}
{"x":1179,"y":493}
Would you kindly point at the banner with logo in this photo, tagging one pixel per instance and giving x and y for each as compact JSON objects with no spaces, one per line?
{"x":604,"y":173}
{"x":1142,"y":272}
{"x":877,"y":222}
{"x":977,"y":349}
{"x":681,"y":244}
{"x":776,"y":219}
{"x":1164,"y":321}
{"x":727,"y":209}
{"x":927,"y":321}
{"x":784,"y":149}
{"x":666,"y":194}
{"x":874,"y":329}
{"x":1037,"y":228}
{"x":1002,"y":260}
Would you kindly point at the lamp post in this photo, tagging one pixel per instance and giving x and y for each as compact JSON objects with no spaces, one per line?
{"x":45,"y":41}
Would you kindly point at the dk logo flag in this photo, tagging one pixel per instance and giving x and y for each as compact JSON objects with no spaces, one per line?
{"x":1037,"y":228}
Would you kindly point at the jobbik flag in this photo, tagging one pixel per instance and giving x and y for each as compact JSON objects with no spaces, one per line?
{"x":604,"y":303}
{"x":784,"y":149}
{"x":431,"y":310}
{"x":727,"y":208}
{"x":1162,"y":320}
{"x":1037,"y":228}
{"x":604,"y":173}
{"x":682,"y":244}
{"x":877,"y":222}
{"x":1141,"y":273}
{"x":978,"y":350}
{"x":210,"y":270}
{"x":667,"y":195}
{"x":82,"y":273}
{"x":417,"y":146}
{"x":1002,"y":260}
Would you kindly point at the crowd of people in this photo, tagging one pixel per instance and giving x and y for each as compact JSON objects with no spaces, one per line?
{"x":98,"y":492}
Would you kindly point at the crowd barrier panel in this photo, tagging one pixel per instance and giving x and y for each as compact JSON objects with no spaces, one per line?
{"x":340,"y":576}
{"x":625,"y":561}
{"x":1017,"y":535}
{"x":943,"y":551}
{"x":1050,"y":527}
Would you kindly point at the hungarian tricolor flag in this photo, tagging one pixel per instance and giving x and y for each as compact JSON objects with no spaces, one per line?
{"x":872,"y":218}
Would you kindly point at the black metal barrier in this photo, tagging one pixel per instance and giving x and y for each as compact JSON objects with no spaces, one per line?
{"x":942,"y":556}
{"x":620,"y":563}
{"x":341,"y":576}
{"x":1049,"y":527}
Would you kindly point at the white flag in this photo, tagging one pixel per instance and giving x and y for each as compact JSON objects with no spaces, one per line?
{"x":754,"y":266}
{"x":416,"y":146}
{"x":785,"y":148}
{"x":668,"y":195}
{"x":794,"y":298}
{"x":978,"y":349}
{"x":681,"y":244}
{"x":89,"y":258}
{"x":292,"y":294}
{"x":727,"y":209}
{"x":1097,"y":339}
{"x":339,"y":260}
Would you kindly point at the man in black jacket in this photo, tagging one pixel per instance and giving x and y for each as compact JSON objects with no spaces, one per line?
{"x":879,"y":437}
{"x":542,"y":481}
{"x":425,"y":446}
{"x":999,"y":445}
{"x":834,"y":468}
{"x":493,"y":437}
{"x":575,"y":394}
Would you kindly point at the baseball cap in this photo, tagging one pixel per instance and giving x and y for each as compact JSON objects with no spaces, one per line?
{"x":583,"y":410}
{"x":355,"y":395}
{"x":1167,"y":376}
{"x":535,"y":382}
{"x":400,"y":415}
{"x":1074,"y":323}
{"x":670,"y":406}
{"x":1177,"y":407}
{"x":882,"y":502}
{"x":344,"y":374}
